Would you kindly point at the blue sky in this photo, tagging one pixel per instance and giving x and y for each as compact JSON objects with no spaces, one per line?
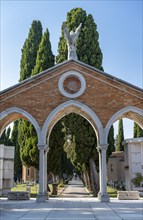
{"x":119,"y":24}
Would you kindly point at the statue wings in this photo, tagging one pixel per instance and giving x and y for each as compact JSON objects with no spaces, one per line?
{"x":78,"y":30}
{"x":74,"y":35}
{"x":66,"y":33}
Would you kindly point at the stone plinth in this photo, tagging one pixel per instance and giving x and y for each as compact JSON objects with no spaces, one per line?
{"x":18,"y":195}
{"x":6,"y":168}
{"x":128,"y":195}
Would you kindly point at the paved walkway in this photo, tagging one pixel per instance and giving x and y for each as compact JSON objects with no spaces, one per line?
{"x":79,"y":206}
{"x":75,"y":189}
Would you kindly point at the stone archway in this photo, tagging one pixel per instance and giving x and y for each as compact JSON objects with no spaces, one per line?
{"x":76,"y":107}
{"x":17,"y":114}
{"x":130,"y":112}
{"x":83,"y":110}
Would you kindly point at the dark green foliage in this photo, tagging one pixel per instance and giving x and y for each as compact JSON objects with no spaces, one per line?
{"x":138,"y":132}
{"x":135,"y":130}
{"x":36,"y":57}
{"x":57,"y":161}
{"x":27,"y":139}
{"x":82,"y":145}
{"x":45,"y":57}
{"x":137,"y":180}
{"x":111,"y":142}
{"x":120,"y":139}
{"x":88,"y":49}
{"x":80,"y":140}
{"x":17,"y":160}
{"x":29,"y":51}
{"x":5,"y":137}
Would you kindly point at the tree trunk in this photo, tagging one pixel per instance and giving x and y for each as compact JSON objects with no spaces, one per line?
{"x":94,"y":176}
{"x":86,"y":180}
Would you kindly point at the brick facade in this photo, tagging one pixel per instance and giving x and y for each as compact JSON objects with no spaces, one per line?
{"x":40,"y":95}
{"x":45,"y":98}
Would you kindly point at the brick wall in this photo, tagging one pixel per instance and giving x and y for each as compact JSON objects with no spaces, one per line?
{"x":40,"y":95}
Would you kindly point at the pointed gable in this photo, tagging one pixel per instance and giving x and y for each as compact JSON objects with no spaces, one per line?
{"x":103,"y":93}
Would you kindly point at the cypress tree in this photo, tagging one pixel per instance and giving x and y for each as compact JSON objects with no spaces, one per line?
{"x":3,"y":137}
{"x":27,"y":63}
{"x":111,"y":142}
{"x":29,"y":51}
{"x":45,"y":57}
{"x":27,"y":139}
{"x":83,"y":139}
{"x":17,"y":160}
{"x":138,"y":132}
{"x":88,"y":49}
{"x":82,"y":147}
{"x":135,"y":130}
{"x":57,"y":161}
{"x":36,"y":57}
{"x":120,"y":136}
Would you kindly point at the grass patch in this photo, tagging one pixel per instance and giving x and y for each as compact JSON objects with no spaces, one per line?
{"x":112,"y":192}
{"x":23,"y":187}
{"x":34,"y":188}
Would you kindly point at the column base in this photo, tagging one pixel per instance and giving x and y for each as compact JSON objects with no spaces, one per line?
{"x":42,"y":197}
{"x":103,"y":197}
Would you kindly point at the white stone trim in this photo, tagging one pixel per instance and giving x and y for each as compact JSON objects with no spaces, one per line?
{"x":118,"y":114}
{"x":26,"y":115}
{"x":65,"y":76}
{"x":132,"y":140}
{"x":83,"y":107}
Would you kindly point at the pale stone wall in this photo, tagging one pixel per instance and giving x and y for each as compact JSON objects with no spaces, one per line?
{"x":29,"y":174}
{"x":133,"y":160}
{"x":6,"y":168}
{"x":115,"y":167}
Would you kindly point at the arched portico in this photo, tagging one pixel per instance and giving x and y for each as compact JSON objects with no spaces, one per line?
{"x":86,"y":112}
{"x":71,"y":86}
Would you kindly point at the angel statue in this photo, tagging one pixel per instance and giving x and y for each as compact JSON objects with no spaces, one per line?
{"x":71,"y":40}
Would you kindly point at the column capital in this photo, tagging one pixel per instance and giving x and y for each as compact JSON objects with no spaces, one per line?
{"x":41,"y":146}
{"x":102,"y":147}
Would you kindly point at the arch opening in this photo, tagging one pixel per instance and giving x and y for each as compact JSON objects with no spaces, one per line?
{"x":72,"y":137}
{"x":131,"y":112}
{"x":118,"y":163}
{"x":73,"y":107}
{"x":12,"y":114}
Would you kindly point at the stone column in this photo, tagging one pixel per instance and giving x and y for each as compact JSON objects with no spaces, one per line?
{"x":46,"y":152}
{"x":103,"y":195}
{"x":41,"y":197}
{"x":100,"y":177}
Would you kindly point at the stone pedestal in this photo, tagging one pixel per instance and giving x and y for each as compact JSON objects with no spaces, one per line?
{"x":6,"y":169}
{"x":41,"y":197}
{"x":18,"y":195}
{"x":128,"y":195}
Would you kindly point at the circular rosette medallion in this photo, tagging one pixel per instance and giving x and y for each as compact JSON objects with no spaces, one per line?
{"x":72,"y":84}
